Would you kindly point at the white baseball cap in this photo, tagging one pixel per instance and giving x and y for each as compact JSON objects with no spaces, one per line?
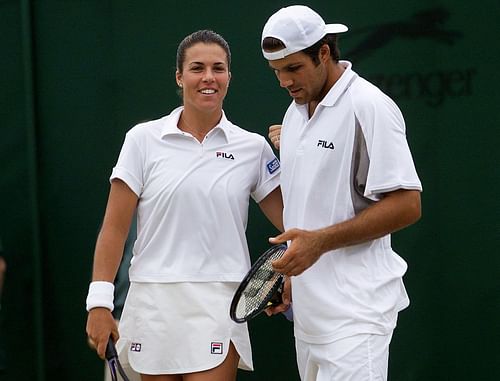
{"x":298,"y":27}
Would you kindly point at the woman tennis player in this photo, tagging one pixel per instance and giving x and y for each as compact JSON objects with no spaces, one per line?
{"x":190,"y":176}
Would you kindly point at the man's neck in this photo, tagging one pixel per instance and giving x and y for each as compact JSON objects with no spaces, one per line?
{"x":334,"y":72}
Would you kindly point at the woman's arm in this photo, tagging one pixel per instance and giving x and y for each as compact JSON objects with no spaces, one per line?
{"x":108,"y":254}
{"x":272,"y":207}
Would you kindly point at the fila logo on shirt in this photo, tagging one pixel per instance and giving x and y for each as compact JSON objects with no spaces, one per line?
{"x":216,"y":348}
{"x":325,"y":144}
{"x":224,"y":155}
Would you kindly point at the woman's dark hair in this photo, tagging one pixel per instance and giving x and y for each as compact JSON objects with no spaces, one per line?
{"x":205,"y":36}
{"x":271,"y":44}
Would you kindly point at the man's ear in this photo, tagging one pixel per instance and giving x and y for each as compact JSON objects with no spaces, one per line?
{"x":324,"y":53}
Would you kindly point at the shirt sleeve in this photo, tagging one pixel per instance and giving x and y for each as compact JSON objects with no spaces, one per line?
{"x":269,"y":173}
{"x":391,"y":165}
{"x":129,"y":167}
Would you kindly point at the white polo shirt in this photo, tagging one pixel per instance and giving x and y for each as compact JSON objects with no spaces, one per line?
{"x":193,"y":198}
{"x":334,"y":165}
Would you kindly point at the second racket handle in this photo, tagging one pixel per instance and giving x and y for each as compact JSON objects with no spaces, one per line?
{"x":289,"y":313}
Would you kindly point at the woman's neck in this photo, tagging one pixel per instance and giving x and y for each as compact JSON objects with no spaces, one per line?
{"x":198,"y":124}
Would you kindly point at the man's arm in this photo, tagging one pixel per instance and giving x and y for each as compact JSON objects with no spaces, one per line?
{"x":395,"y":211}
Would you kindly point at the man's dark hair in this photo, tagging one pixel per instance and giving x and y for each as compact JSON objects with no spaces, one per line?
{"x":271,"y":44}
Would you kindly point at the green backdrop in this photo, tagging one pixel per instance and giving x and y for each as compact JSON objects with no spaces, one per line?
{"x":76,"y":75}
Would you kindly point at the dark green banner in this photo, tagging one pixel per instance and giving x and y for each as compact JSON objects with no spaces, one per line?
{"x":76,"y":75}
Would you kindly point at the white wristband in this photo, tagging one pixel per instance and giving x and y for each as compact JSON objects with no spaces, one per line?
{"x":101,"y":294}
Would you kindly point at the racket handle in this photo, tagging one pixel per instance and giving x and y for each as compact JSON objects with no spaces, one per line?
{"x":289,"y":313}
{"x":110,"y":349}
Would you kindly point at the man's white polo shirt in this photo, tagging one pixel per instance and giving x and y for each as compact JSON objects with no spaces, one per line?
{"x":334,"y":165}
{"x":193,"y":198}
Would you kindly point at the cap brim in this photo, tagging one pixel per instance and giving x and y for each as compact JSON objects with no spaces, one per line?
{"x":336,"y":28}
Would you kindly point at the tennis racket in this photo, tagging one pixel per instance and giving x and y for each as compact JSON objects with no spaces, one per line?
{"x":261,"y":287}
{"x":115,"y":367}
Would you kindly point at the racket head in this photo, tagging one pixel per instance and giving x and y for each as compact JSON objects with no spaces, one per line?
{"x":260,"y":288}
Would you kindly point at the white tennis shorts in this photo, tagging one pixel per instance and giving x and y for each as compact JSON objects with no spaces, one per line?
{"x":172,"y":328}
{"x":361,"y":357}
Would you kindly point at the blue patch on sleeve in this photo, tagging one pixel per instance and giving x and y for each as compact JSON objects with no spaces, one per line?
{"x":273,"y":166}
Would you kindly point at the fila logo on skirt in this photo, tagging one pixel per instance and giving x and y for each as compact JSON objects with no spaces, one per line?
{"x":216,"y":348}
{"x":135,"y":347}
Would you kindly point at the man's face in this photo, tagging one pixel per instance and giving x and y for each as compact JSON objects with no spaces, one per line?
{"x":304,"y":80}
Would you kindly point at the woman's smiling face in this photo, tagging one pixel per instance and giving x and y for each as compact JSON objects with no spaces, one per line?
{"x":204,"y":77}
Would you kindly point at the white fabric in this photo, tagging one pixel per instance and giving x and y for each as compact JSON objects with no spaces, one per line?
{"x":101,"y":294}
{"x":193,"y":198}
{"x":355,"y":358}
{"x":297,"y":27}
{"x":131,"y":374}
{"x":358,"y":288}
{"x":169,"y":328}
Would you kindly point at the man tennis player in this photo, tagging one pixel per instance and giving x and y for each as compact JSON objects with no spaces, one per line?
{"x":348,"y":182}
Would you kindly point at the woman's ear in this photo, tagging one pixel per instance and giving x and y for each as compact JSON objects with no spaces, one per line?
{"x":178,"y":78}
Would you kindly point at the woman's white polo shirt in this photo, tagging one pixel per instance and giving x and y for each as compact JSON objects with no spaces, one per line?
{"x":193,"y":198}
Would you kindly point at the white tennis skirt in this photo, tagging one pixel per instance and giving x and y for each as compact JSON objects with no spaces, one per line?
{"x":172,"y":328}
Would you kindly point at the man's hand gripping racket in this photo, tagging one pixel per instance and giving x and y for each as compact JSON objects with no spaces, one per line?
{"x":260,"y":289}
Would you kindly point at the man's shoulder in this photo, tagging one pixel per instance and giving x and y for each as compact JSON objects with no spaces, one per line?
{"x":365,"y":95}
{"x":364,"y":90}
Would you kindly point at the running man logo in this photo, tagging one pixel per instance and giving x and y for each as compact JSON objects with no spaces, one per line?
{"x":224,"y":155}
{"x":433,"y":87}
{"x":426,"y":24}
{"x":325,"y":144}
{"x":216,"y":348}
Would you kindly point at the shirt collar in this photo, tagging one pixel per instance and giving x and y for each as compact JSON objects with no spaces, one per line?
{"x":338,"y":88}
{"x":171,"y":121}
{"x":342,"y":84}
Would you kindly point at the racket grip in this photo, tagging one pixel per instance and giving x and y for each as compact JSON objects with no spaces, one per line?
{"x":110,"y":349}
{"x":289,"y":313}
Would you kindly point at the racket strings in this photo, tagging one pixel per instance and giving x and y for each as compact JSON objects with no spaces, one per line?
{"x":261,"y":287}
